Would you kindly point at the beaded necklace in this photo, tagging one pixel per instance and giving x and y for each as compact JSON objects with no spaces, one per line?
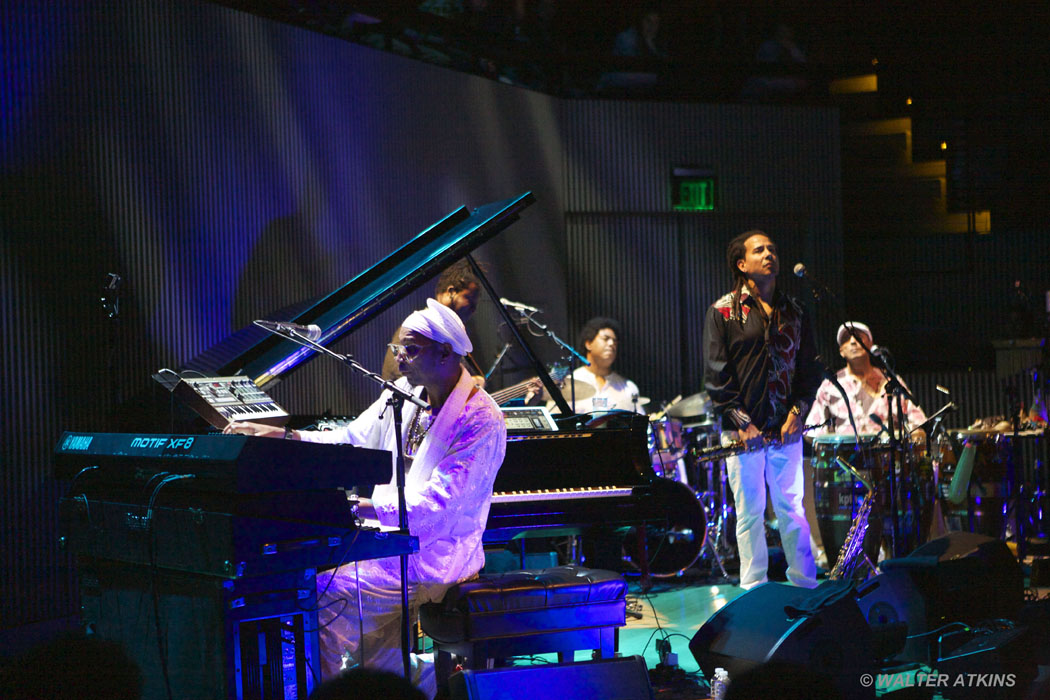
{"x":417,"y":431}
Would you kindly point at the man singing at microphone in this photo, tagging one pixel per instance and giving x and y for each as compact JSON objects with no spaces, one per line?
{"x":452,"y":454}
{"x":864,"y":384}
{"x":761,"y":373}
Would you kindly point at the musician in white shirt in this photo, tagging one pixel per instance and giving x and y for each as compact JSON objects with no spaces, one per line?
{"x":598,"y":386}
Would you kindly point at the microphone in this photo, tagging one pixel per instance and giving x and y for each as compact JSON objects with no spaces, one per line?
{"x":882,"y":426}
{"x":519,"y":306}
{"x":817,"y":287}
{"x":311,"y":332}
{"x":884,"y":356}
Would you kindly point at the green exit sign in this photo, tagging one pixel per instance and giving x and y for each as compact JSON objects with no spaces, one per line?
{"x":693,"y":189}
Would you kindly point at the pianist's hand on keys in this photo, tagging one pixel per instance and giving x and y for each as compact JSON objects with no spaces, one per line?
{"x":259,"y":430}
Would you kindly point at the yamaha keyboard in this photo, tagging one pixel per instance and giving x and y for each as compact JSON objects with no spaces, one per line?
{"x":561,"y":494}
{"x":222,"y":463}
{"x":219,"y":505}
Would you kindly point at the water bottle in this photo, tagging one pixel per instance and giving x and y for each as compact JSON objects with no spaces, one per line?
{"x":719,"y":684}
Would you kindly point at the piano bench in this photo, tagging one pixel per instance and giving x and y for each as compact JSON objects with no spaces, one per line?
{"x":540,"y":611}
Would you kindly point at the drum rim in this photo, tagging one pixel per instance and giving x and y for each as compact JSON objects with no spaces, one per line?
{"x":975,"y":433}
{"x":845,"y":439}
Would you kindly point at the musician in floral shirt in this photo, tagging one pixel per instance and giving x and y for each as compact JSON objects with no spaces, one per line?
{"x":864,"y":384}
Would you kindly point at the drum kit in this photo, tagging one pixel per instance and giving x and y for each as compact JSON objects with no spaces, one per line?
{"x":700,"y":513}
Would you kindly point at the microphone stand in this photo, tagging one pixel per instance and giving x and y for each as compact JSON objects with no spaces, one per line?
{"x":834,"y":380}
{"x":894,"y":387}
{"x":894,"y":390}
{"x":573,"y":355}
{"x":499,"y":358}
{"x":396,"y":402}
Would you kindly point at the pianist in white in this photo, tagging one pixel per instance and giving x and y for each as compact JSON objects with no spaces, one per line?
{"x":452,"y":456}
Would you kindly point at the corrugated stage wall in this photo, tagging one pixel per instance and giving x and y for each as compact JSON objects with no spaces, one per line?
{"x":776,"y":169}
{"x":226,"y":167}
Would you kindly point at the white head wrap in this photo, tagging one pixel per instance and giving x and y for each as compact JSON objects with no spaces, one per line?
{"x":441,"y":324}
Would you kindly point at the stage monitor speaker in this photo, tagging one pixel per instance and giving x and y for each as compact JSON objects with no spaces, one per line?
{"x":961,"y":577}
{"x":607,"y":679}
{"x":1005,"y":658}
{"x":760,"y":626}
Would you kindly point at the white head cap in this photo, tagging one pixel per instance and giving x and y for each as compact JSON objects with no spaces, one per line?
{"x":441,"y":324}
{"x":844,"y":335}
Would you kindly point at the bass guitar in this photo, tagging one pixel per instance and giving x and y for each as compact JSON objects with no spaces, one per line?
{"x":558,"y":373}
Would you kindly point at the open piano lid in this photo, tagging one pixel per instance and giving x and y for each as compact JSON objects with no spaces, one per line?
{"x":266,"y":358}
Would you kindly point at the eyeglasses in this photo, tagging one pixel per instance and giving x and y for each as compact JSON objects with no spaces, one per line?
{"x":410,"y":352}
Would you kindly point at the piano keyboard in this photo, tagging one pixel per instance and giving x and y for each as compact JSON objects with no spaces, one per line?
{"x":561,"y":494}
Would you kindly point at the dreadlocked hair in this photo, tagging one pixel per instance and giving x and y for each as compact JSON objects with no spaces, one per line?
{"x":735,"y":252}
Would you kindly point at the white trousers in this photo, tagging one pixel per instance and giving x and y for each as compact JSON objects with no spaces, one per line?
{"x":360,"y":619}
{"x":779,"y":468}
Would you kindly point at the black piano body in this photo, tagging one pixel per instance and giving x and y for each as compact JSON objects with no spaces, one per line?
{"x":560,"y":483}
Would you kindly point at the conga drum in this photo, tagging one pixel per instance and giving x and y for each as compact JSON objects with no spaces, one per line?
{"x":984,"y":495}
{"x":837,"y":494}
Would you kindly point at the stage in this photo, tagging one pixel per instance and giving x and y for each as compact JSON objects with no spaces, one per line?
{"x":674,"y":609}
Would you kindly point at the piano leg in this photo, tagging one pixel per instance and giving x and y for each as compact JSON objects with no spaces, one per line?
{"x":642,"y":557}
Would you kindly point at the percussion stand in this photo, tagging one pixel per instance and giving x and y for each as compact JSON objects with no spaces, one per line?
{"x":714,"y":501}
{"x":907,"y":460}
{"x":722,"y":503}
{"x":896,"y":429}
{"x":1015,"y":488}
{"x":715,"y":528}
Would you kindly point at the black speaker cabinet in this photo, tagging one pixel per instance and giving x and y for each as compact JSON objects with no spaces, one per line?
{"x":249,"y":639}
{"x":757,"y":627}
{"x":604,"y":679}
{"x":962,"y":577}
{"x":1006,"y":659}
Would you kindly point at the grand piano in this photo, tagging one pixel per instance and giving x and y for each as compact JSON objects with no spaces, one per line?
{"x":584,"y":474}
{"x":198,"y":533}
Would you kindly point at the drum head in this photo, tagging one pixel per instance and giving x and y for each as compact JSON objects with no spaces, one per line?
{"x":675,"y":544}
{"x":844,"y":440}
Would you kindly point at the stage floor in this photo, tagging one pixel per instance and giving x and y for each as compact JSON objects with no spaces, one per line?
{"x":673,"y":609}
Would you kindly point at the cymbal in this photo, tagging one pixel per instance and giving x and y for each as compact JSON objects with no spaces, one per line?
{"x":695,"y":405}
{"x":583,"y":390}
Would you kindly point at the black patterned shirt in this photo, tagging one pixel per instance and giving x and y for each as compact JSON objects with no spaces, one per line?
{"x":756,"y":368}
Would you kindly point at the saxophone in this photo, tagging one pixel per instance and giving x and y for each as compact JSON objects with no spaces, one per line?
{"x":735,"y":447}
{"x":848,"y":560}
